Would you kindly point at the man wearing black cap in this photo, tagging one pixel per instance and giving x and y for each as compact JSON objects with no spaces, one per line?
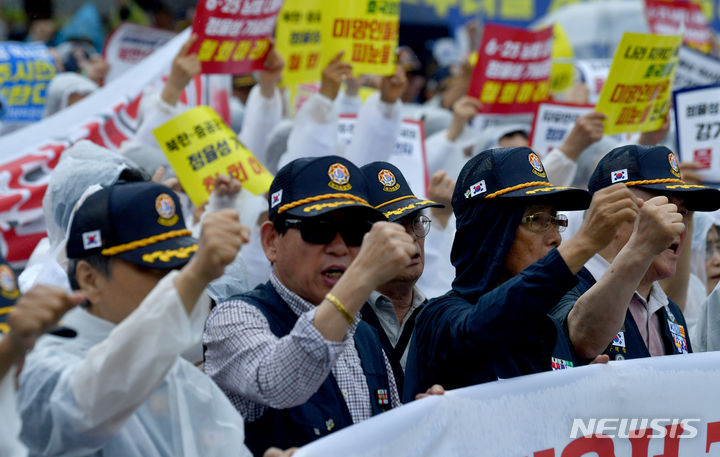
{"x":510,"y":270}
{"x":291,"y":354}
{"x":620,"y":308}
{"x":119,"y":387}
{"x":393,"y":307}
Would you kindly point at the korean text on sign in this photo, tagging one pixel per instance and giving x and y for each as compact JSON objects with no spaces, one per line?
{"x":636,"y":95}
{"x":367,"y":30}
{"x":233,"y":35}
{"x":669,"y":18}
{"x":552,"y":123}
{"x":513,"y":71}
{"x":25,"y":72}
{"x":298,"y":39}
{"x":199,"y":146}
{"x":697,"y":115}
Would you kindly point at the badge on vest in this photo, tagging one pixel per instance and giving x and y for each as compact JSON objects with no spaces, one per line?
{"x":678,"y":336}
{"x":382,"y":397}
{"x":560,"y":364}
{"x":329,"y":424}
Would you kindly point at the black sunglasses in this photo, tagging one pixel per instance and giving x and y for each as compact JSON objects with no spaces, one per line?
{"x":323,"y":231}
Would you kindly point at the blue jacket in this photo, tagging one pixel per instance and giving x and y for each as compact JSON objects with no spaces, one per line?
{"x":506,"y":332}
{"x":326,"y":411}
{"x":628,"y":343}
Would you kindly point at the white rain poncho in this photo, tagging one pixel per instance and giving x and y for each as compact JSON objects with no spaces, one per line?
{"x":62,"y":86}
{"x":81,"y":166}
{"x":123,"y":391}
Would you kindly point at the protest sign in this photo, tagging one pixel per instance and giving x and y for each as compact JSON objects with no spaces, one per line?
{"x":696,"y":69}
{"x":552,"y":123}
{"x":636,"y":95}
{"x":619,"y":409}
{"x":367,"y":30}
{"x":25,"y":72}
{"x":130,"y":43}
{"x":107,"y":117}
{"x":234,"y":35}
{"x":673,"y":17}
{"x":697,"y":121}
{"x":594,"y":73}
{"x":513,"y":70}
{"x":298,"y":40}
{"x":562,"y":72}
{"x":199,"y":146}
{"x":409,"y":154}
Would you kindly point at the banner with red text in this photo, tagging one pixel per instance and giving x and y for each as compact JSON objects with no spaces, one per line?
{"x":513,"y":70}
{"x":697,"y":121}
{"x":234,"y":35}
{"x":674,"y":17}
{"x":107,"y":117}
{"x":660,"y":406}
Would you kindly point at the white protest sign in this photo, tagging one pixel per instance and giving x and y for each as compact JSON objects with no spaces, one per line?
{"x":657,"y":406}
{"x":695,"y":69}
{"x":697,"y":118}
{"x":409,"y":154}
{"x":552,"y":123}
{"x":594,"y":73}
{"x":130,"y":43}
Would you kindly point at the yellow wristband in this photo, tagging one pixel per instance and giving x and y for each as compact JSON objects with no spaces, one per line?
{"x":334,"y":300}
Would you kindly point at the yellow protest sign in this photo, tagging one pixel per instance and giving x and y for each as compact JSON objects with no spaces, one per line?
{"x":298,"y":38}
{"x":636,"y":95}
{"x":367,"y":30}
{"x":199,"y":146}
{"x":561,"y":74}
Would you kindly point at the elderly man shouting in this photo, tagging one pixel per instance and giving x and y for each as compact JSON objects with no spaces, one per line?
{"x":292,"y":354}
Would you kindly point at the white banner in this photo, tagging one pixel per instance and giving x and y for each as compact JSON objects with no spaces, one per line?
{"x":589,"y":411}
{"x":409,"y":154}
{"x":552,"y":123}
{"x":594,"y":72}
{"x":108,"y":117}
{"x":130,"y":43}
{"x":695,"y":69}
{"x":697,"y":118}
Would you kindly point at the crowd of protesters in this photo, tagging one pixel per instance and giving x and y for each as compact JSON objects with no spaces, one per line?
{"x":252,"y":325}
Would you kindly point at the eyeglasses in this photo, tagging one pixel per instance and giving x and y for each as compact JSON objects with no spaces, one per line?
{"x":320,"y":231}
{"x":420,"y":225}
{"x":540,"y":222}
{"x":711,"y":247}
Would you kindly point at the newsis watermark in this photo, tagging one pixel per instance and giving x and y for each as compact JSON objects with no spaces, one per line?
{"x":634,"y":427}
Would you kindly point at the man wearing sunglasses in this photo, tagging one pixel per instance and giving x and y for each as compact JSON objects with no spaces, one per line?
{"x":291,"y":354}
{"x":620,"y":309}
{"x":394,"y":305}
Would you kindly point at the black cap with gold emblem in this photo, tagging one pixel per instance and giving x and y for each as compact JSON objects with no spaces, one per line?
{"x":654,"y":168}
{"x":390,"y":192}
{"x":313,"y":186}
{"x":140,"y":222}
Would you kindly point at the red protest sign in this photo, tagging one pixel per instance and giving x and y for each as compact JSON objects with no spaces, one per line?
{"x":233,"y":35}
{"x":513,"y":70}
{"x":667,"y":18}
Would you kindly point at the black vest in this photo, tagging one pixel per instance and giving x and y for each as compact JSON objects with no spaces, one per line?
{"x":628,"y":343}
{"x":326,"y":411}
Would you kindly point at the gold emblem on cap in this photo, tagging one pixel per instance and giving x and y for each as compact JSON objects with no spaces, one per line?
{"x":165,"y":207}
{"x":339,"y":177}
{"x":536,"y":164}
{"x":674,"y":168}
{"x":8,"y":286}
{"x":387,"y":179}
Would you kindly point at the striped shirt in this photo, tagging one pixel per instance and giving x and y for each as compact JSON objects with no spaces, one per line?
{"x":257,"y":370}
